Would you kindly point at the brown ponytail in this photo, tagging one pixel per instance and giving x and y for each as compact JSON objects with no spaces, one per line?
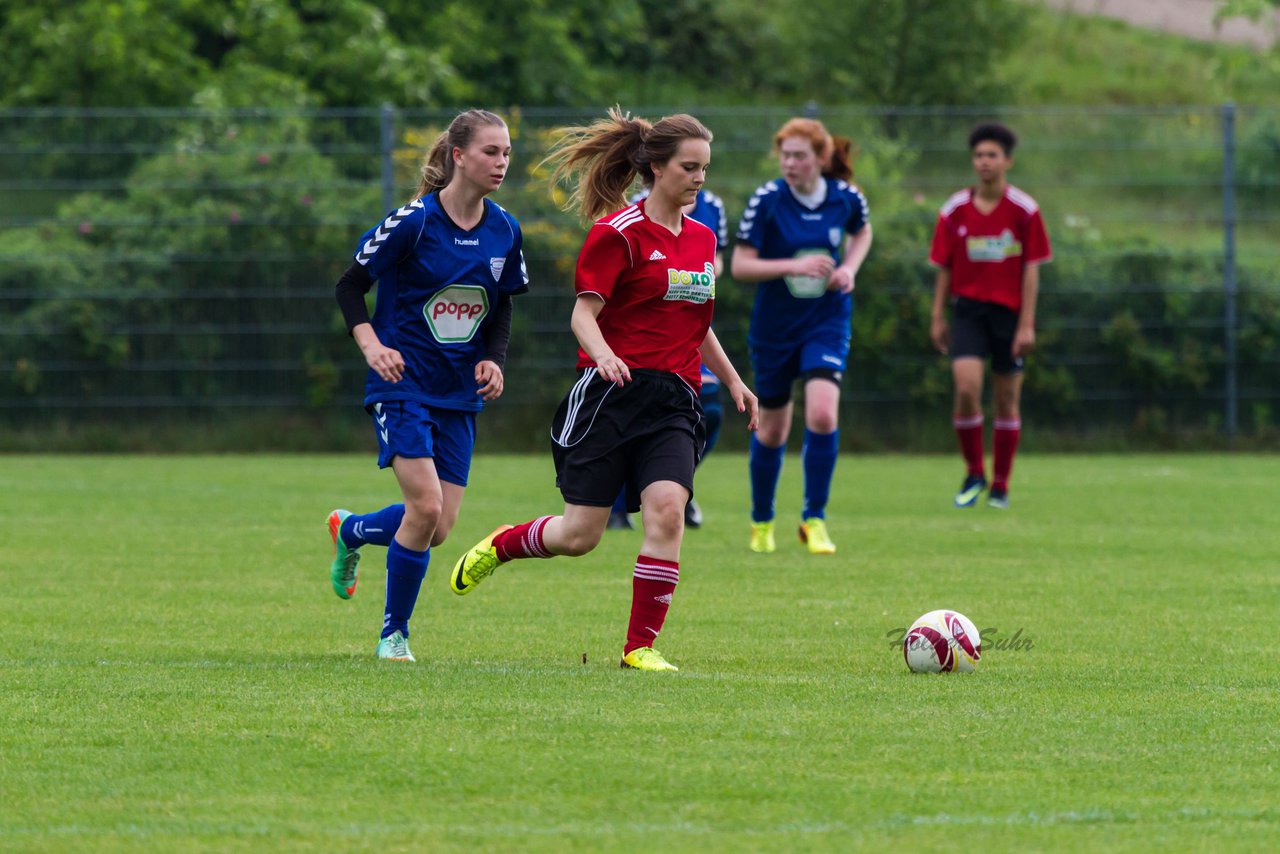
{"x":602,"y":160}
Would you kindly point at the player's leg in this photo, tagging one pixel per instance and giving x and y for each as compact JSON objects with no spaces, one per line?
{"x":819,"y":455}
{"x":655,"y":574}
{"x":713,"y":414}
{"x":970,"y":347}
{"x":591,"y":468}
{"x":1006,"y":387}
{"x":666,"y":462}
{"x":409,"y":553}
{"x":775,"y":372}
{"x":619,"y":518}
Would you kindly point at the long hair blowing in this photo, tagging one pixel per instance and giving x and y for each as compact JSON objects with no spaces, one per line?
{"x":437,"y":165}
{"x":602,"y":160}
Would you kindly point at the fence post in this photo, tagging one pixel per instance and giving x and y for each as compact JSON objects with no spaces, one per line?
{"x":385,"y":145}
{"x":1232,"y":402}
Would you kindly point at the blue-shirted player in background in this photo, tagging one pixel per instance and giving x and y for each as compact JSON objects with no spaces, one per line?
{"x":708,"y":209}
{"x":447,"y":265}
{"x":803,"y":237}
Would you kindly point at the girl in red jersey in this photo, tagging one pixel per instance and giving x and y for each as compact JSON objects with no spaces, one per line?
{"x":646,"y":287}
{"x":988,"y":246}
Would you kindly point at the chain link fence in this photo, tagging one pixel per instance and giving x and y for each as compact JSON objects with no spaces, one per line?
{"x":174,"y":267}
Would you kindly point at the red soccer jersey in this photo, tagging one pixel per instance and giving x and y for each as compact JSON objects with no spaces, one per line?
{"x":658,"y":288}
{"x":987,"y":253}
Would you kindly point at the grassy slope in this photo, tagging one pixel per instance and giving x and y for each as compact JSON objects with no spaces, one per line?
{"x":177,"y":674}
{"x":1078,"y":59}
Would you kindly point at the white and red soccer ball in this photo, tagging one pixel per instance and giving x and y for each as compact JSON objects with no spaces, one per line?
{"x":942,"y":642}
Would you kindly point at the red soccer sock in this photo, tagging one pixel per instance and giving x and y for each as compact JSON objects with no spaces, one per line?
{"x":969,"y":432}
{"x":1007,"y":433}
{"x":523,"y":540}
{"x":652,"y":584}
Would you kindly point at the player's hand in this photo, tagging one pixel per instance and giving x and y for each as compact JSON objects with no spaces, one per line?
{"x":489,"y":378}
{"x":1024,"y":341}
{"x":613,"y":369}
{"x":746,"y":401}
{"x":817,"y":266}
{"x":841,"y":279}
{"x":387,"y":363}
{"x":939,"y":335}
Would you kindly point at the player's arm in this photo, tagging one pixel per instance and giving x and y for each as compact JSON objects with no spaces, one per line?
{"x":587,"y":330}
{"x":717,"y":361}
{"x":938,"y":333}
{"x":350,"y":291}
{"x":1025,"y":337}
{"x":489,"y":375}
{"x":746,"y":265}
{"x":856,"y":246}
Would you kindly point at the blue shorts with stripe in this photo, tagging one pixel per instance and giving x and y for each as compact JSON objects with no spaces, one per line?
{"x":410,"y":429}
{"x":777,"y":367}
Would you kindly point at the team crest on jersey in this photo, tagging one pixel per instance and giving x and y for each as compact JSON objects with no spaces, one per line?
{"x":993,"y":248}
{"x":835,"y":234}
{"x":495,"y":267}
{"x":695,"y":287}
{"x":454,"y":313}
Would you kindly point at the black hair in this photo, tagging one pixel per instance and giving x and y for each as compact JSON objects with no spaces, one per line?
{"x":995,"y":132}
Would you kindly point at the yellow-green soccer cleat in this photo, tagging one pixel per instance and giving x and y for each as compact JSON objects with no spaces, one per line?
{"x":762,"y":537}
{"x":477,"y":564}
{"x":646,"y":658}
{"x":395,"y":647}
{"x":342,"y":572}
{"x":813,"y":533}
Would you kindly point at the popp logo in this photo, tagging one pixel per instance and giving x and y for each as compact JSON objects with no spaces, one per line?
{"x":454,"y":313}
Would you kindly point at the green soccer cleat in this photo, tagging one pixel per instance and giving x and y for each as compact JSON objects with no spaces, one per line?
{"x":645,"y":658}
{"x":342,"y":572}
{"x":970,"y":490}
{"x":813,"y":533}
{"x":477,"y":564}
{"x":762,"y":540}
{"x":395,"y":647}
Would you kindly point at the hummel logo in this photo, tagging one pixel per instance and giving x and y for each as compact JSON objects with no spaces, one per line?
{"x":657,"y":256}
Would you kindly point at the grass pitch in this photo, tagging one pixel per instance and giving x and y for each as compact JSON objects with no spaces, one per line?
{"x":177,"y":674}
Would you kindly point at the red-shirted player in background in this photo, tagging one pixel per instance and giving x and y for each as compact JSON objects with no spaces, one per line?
{"x":987,"y":246}
{"x":646,"y":287}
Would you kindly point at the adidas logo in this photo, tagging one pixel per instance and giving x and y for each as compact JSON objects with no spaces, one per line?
{"x":657,"y":256}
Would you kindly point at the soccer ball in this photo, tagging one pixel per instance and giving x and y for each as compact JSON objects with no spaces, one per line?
{"x":942,"y":642}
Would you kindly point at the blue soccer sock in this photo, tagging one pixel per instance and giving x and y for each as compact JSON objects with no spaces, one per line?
{"x":405,"y":570}
{"x":766,"y":466}
{"x":375,"y":528}
{"x":819,"y":456}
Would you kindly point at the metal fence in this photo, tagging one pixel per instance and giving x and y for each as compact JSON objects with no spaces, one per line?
{"x":161,"y":264}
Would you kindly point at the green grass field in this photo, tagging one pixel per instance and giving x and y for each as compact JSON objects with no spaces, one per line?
{"x":177,"y":674}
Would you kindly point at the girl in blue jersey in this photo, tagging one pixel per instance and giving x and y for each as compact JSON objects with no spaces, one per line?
{"x":803,"y":237}
{"x":447,"y":265}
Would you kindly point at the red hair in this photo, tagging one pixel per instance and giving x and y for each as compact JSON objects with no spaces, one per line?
{"x":835,"y":153}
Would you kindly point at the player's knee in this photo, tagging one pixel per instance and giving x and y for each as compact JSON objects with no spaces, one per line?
{"x":664,"y":517}
{"x":422,"y":515}
{"x":440,"y":534}
{"x":823,"y":422}
{"x":576,"y":542}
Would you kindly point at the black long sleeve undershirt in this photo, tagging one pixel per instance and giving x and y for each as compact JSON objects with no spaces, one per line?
{"x":355,"y":283}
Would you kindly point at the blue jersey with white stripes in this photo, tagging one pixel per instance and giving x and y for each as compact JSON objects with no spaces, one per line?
{"x":779,"y":225}
{"x":437,"y":288}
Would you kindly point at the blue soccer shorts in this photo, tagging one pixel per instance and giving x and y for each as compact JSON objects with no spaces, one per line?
{"x":407,"y":428}
{"x":777,"y":368}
